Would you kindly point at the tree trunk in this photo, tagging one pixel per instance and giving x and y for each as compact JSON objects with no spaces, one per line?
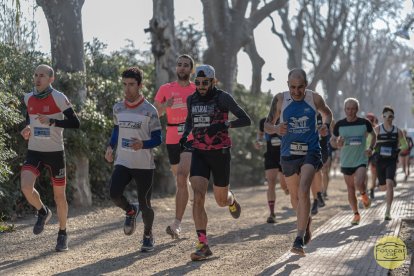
{"x":64,"y":18}
{"x":228,"y":30}
{"x":162,"y":29}
{"x":257,"y":65}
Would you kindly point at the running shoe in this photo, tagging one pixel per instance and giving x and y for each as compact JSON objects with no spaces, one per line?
{"x":356,"y":219}
{"x":308,"y":233}
{"x":365,"y":201}
{"x":202,"y":252}
{"x":314,"y":209}
{"x":41,"y":221}
{"x":147,"y":243}
{"x":173,"y":232}
{"x":131,"y":220}
{"x":297,"y":247}
{"x":321,"y":201}
{"x":235,"y":208}
{"x":271,"y":218}
{"x":62,"y":243}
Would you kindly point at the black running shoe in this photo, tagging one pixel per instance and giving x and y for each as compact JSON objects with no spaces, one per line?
{"x":41,"y":221}
{"x":314,"y":210}
{"x":297,"y":247}
{"x":321,"y":201}
{"x":235,"y":208}
{"x":131,"y":220}
{"x":202,"y":252}
{"x":62,"y":243}
{"x":308,"y":234}
{"x":271,"y":219}
{"x":147,"y":243}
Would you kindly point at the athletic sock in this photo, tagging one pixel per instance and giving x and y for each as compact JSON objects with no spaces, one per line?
{"x":202,"y":236}
{"x":301,"y":233}
{"x":176,"y":224}
{"x":42,"y":210}
{"x":271,"y":204}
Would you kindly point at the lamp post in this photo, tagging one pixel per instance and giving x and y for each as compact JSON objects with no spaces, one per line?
{"x":404,"y":31}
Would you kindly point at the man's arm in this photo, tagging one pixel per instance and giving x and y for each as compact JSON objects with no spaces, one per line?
{"x":274,"y":114}
{"x":188,"y":121}
{"x":323,"y":109}
{"x":242,"y":118}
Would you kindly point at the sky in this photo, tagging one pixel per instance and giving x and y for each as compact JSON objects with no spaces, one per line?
{"x":114,"y":23}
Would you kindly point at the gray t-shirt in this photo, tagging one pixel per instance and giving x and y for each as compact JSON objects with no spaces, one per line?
{"x":137,"y":122}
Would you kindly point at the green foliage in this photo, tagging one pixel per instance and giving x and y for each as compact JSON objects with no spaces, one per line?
{"x":247,"y":167}
{"x":16,"y":71}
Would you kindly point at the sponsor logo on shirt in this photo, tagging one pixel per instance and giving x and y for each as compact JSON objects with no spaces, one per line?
{"x":129,"y":124}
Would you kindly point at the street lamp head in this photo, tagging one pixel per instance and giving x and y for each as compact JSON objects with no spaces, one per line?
{"x":403,"y":33}
{"x":270,"y":78}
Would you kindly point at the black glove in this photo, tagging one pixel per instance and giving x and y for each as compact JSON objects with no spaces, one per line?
{"x":182,"y":142}
{"x":213,"y":129}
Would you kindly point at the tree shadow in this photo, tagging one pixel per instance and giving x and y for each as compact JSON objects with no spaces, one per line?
{"x":186,"y":268}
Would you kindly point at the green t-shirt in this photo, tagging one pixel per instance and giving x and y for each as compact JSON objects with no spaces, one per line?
{"x":354,"y":134}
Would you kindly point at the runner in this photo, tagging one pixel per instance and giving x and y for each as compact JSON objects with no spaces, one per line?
{"x":137,"y":130}
{"x":48,"y":113}
{"x":208,"y":110}
{"x":272,"y":167}
{"x":318,"y":180}
{"x":390,"y":140}
{"x":372,"y":159}
{"x":405,"y":156}
{"x":171,"y":98}
{"x":349,"y":134}
{"x":300,"y":150}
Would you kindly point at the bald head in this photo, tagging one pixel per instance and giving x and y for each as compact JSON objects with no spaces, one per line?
{"x":297,"y":74}
{"x":44,"y":68}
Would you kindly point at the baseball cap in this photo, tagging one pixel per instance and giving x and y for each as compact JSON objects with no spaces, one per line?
{"x":205,"y":71}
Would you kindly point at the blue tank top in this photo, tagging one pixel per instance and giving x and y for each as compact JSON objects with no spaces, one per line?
{"x":301,"y":118}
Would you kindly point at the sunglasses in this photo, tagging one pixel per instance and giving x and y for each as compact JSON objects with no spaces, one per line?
{"x":204,"y":82}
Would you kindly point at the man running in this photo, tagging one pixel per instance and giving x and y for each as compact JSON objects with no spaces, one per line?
{"x":208,"y":118}
{"x":272,"y":166}
{"x":349,"y":134}
{"x":172,"y":99}
{"x":300,"y":150}
{"x":137,"y":130}
{"x":372,"y":159}
{"x":390,"y":140}
{"x":405,"y":156}
{"x":48,"y":113}
{"x":318,"y":180}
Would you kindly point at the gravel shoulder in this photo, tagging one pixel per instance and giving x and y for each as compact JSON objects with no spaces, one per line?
{"x":98,"y":245}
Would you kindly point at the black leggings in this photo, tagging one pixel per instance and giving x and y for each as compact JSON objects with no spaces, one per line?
{"x":143,"y":179}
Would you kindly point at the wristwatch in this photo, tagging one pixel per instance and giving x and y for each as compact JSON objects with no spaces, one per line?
{"x":227,"y":124}
{"x":52,"y":122}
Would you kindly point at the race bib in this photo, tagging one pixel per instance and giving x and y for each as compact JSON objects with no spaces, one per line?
{"x":126,"y":144}
{"x":355,"y":141}
{"x":180,"y":129}
{"x":42,"y":132}
{"x":275,"y":141}
{"x":297,"y":148}
{"x":386,"y":151}
{"x":201,"y":121}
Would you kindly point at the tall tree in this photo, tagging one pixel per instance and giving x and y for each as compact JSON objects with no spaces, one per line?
{"x":64,"y":18}
{"x":163,"y":48}
{"x":228,"y":30}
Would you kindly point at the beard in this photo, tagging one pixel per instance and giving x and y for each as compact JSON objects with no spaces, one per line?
{"x":183,"y":77}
